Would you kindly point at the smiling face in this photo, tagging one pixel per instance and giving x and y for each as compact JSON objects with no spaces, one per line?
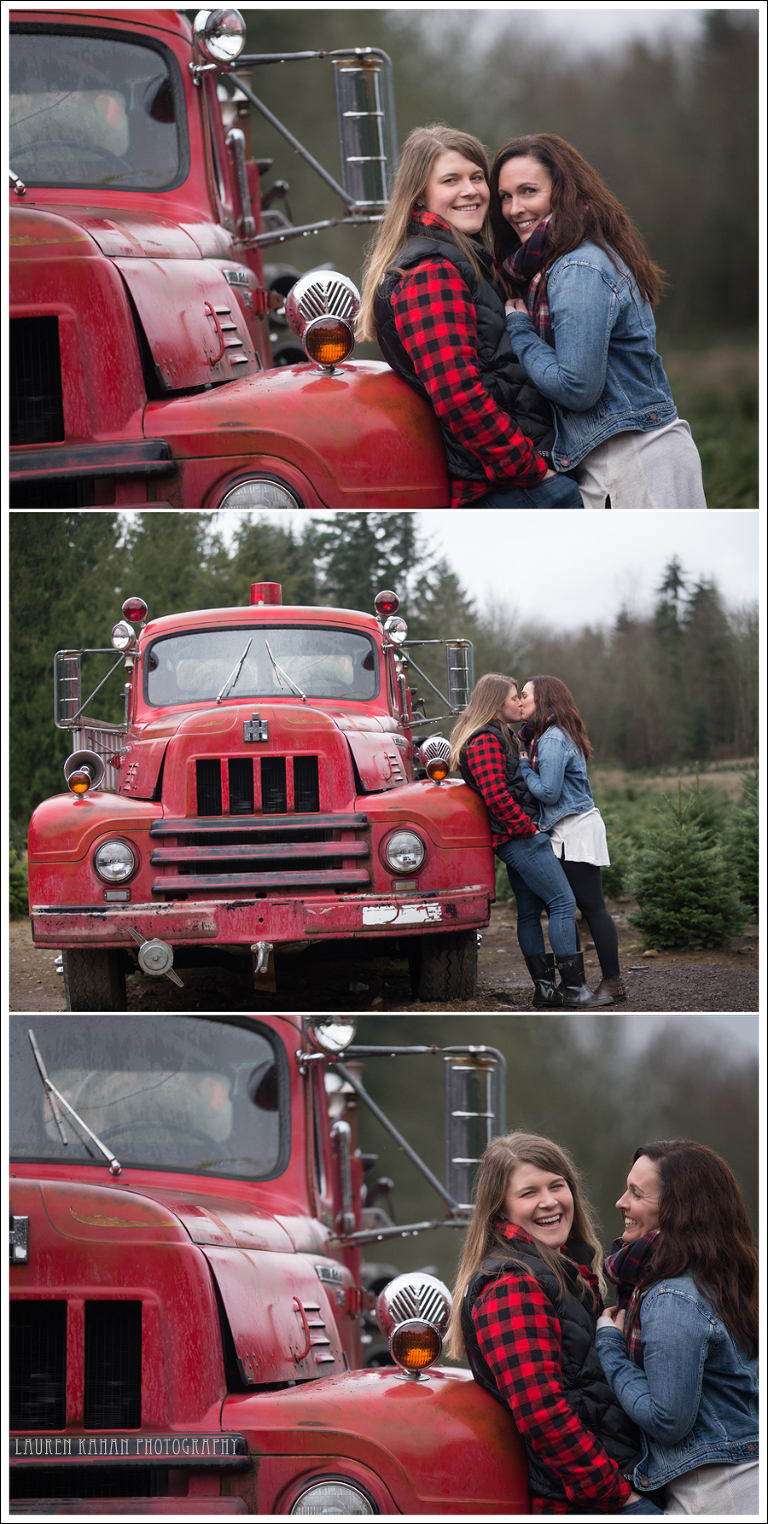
{"x":541,"y":1203}
{"x":525,"y":191}
{"x":640,"y":1202}
{"x":527,"y":702}
{"x":457,"y":191}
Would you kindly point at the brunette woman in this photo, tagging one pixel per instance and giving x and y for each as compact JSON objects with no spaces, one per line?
{"x":680,"y":1350}
{"x":554,"y":767}
{"x":525,"y":1307}
{"x":433,"y":300}
{"x":484,"y":751}
{"x":582,"y":328}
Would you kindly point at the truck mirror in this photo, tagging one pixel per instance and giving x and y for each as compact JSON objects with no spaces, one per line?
{"x":67,"y":685}
{"x":475,"y":1112}
{"x":365,"y":109}
{"x":461,"y":677}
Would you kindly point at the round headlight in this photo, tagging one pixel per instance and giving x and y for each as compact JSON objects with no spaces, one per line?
{"x":328,"y":340}
{"x":220,"y":35}
{"x":405,"y":852}
{"x":333,"y":1499}
{"x":122,"y":636}
{"x":114,"y":861}
{"x":397,"y":630}
{"x":260,"y":492}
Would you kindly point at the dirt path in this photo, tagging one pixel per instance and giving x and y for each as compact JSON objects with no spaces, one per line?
{"x":320,"y":980}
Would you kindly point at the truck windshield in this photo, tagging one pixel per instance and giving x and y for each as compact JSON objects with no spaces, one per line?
{"x":322,"y":662}
{"x":92,"y":111}
{"x":167,"y":1092}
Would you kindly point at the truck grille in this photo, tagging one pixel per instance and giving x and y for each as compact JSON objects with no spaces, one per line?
{"x":275,"y":786}
{"x":38,"y":1365}
{"x":112,"y":1365}
{"x":308,"y":851}
{"x":37,"y":413}
{"x":88,"y":1482}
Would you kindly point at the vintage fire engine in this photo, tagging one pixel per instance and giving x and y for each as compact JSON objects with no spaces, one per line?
{"x":262,"y":794}
{"x":142,"y":367}
{"x":190,"y":1314}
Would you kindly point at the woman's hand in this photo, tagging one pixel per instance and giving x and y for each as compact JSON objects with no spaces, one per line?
{"x":634,"y":1497}
{"x":617,"y":1316}
{"x":515,"y":305}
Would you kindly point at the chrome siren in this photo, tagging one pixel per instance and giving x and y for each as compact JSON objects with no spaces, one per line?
{"x":321,"y":294}
{"x":414,"y":1295}
{"x":434,"y":749}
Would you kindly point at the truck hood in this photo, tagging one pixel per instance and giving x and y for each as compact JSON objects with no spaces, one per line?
{"x":183,"y":737}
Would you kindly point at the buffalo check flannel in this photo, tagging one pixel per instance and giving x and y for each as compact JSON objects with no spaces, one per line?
{"x":488,"y":766}
{"x":436,"y":323}
{"x":519,"y":1336}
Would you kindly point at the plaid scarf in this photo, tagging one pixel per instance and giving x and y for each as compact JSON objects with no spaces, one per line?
{"x":625,"y":1267}
{"x":530,"y":742}
{"x":525,"y":269}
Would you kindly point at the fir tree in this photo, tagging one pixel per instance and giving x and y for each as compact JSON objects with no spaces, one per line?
{"x":743,"y":843}
{"x":686,"y":888}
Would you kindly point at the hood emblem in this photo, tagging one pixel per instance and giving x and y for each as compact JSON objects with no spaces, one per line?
{"x":255,"y":729}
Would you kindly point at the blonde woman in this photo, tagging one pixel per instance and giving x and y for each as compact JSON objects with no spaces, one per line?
{"x":525,"y":1307}
{"x":485,"y":751}
{"x":434,"y":302}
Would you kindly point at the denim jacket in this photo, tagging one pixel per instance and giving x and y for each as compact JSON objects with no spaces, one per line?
{"x":560,"y":785}
{"x":695,"y":1397}
{"x":604,"y":375}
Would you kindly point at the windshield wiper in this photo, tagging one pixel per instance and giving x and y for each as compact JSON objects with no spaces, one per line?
{"x":233,"y":676}
{"x":55,"y":1095}
{"x":280,"y":674}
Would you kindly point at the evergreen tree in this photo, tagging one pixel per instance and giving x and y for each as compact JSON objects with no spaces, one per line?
{"x":359,"y":554}
{"x":743,"y":843}
{"x":686,"y":888}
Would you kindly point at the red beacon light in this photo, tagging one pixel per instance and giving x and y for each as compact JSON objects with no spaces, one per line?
{"x":266,"y":592}
{"x":386,"y":603}
{"x":134,"y":609}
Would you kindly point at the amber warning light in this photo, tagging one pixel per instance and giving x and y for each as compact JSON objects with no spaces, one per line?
{"x":266,"y":592}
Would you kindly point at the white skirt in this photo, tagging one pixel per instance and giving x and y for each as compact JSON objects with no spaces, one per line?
{"x":581,"y":839}
{"x":658,"y":469}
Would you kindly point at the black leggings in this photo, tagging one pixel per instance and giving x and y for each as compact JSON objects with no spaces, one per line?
{"x":586,"y":881}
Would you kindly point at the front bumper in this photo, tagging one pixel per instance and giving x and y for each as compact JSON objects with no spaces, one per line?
{"x":232,"y":923}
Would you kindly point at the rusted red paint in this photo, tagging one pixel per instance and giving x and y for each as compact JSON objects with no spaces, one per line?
{"x":358,"y":439}
{"x":441,"y":1446}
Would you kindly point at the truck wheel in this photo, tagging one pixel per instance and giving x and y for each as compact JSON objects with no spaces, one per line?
{"x":445,"y":967}
{"x":94,"y":979}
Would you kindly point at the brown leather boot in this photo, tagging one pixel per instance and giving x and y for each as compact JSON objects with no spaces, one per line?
{"x":613,"y":987}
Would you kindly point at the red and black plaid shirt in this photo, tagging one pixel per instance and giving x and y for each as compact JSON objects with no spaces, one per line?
{"x":436,"y":322}
{"x":520,"y":1337}
{"x":488,"y":766}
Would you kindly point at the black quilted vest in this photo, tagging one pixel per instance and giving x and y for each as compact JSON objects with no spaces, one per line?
{"x":515,"y":780}
{"x":584,"y":1385}
{"x":500,"y":371}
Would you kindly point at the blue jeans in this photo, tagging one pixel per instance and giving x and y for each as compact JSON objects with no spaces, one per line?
{"x":555,"y":492}
{"x":537,"y":880}
{"x":643,"y":1505}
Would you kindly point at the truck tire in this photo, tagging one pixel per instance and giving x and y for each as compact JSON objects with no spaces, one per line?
{"x":445,"y":967}
{"x":94,"y":979}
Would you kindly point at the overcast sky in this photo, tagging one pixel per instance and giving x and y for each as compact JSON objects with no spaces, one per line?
{"x":583,"y":28}
{"x":572,"y":569}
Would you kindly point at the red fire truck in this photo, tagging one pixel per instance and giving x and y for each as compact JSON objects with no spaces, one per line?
{"x":261,"y":794}
{"x":190,"y":1314}
{"x":142,"y":315}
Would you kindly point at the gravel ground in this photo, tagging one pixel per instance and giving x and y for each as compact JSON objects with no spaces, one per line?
{"x":320,"y":979}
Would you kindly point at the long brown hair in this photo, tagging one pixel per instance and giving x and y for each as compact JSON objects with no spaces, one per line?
{"x":582,"y":207}
{"x":554,"y":705}
{"x":485,"y":701}
{"x":421,"y":150}
{"x":704,"y":1230}
{"x":499,"y":1162}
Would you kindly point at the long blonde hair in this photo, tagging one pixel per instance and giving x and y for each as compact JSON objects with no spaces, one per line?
{"x":499,"y":1162}
{"x":485,"y":701}
{"x":421,"y":150}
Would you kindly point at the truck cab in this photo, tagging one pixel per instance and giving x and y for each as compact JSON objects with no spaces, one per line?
{"x":265,"y":792}
{"x":142,"y":369}
{"x":189,"y":1304}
